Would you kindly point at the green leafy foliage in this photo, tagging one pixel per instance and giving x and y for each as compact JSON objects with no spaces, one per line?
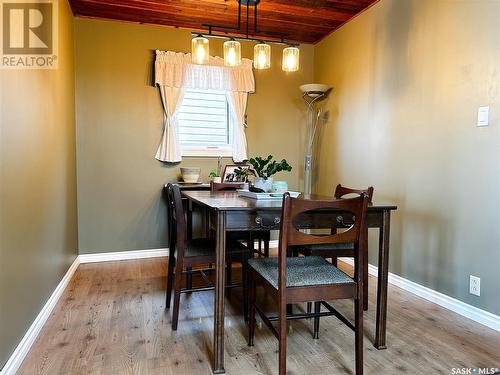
{"x":264,"y":167}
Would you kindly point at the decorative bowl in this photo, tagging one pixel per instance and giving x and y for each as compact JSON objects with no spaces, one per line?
{"x":190,"y":174}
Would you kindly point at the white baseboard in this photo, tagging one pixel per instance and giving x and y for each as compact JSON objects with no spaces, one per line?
{"x":123,"y":255}
{"x":31,"y":335}
{"x":478,"y":315}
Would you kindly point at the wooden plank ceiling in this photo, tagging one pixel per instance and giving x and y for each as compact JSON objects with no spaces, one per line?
{"x":306,"y":21}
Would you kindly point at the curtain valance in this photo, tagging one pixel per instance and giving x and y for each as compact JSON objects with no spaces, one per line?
{"x":175,"y":69}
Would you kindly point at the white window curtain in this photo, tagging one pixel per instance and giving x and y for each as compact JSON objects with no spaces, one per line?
{"x":169,"y":149}
{"x":175,"y":72}
{"x":238,"y":105}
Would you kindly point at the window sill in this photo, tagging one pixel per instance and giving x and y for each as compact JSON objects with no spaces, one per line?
{"x":209,"y":152}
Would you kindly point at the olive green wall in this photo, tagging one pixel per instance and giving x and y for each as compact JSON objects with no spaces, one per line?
{"x":119,"y":125}
{"x":408,"y":78}
{"x":38,"y":228}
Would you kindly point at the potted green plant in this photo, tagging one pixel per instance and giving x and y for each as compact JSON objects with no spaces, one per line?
{"x":263,"y":169}
{"x":214,"y":175}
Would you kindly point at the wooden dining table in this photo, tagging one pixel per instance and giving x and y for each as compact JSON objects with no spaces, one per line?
{"x":230,"y":212}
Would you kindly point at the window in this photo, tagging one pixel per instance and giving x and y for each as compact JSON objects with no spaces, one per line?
{"x":204,"y":123}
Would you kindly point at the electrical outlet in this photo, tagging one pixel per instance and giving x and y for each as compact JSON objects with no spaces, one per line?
{"x":475,"y":285}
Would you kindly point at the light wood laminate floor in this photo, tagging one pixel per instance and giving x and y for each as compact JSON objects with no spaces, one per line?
{"x":112,"y":320}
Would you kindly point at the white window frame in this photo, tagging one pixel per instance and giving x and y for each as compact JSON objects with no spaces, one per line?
{"x":212,"y":151}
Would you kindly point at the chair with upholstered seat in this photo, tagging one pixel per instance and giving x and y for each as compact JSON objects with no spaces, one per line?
{"x":291,"y":280}
{"x":188,"y":253}
{"x":335,"y":251}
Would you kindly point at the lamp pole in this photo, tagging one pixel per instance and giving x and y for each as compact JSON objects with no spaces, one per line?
{"x":310,"y":98}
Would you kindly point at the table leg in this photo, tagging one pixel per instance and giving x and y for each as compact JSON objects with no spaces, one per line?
{"x":218,"y":359}
{"x":383,"y":273}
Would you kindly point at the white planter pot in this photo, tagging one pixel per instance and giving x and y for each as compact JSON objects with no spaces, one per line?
{"x":263,"y":184}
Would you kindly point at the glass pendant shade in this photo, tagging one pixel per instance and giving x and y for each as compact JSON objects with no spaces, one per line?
{"x":262,"y":56}
{"x":232,"y":53}
{"x":290,"y":61}
{"x":200,"y":50}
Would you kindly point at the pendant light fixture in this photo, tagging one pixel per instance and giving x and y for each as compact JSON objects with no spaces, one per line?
{"x":232,"y":53}
{"x":262,"y":56}
{"x":290,"y":61}
{"x":200,"y":50}
{"x":232,"y":48}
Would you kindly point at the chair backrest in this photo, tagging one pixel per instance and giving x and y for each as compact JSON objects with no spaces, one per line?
{"x":290,"y":235}
{"x":341,"y":191}
{"x":220,"y":186}
{"x":176,"y":219}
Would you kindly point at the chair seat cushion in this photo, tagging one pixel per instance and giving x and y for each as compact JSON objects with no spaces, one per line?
{"x":300,"y":271}
{"x":205,"y":247}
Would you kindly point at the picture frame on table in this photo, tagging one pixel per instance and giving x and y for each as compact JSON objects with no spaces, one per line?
{"x":229,"y":176}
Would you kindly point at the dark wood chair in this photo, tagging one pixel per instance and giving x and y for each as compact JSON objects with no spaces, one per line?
{"x":291,"y":280}
{"x":188,"y":253}
{"x":334,"y":251}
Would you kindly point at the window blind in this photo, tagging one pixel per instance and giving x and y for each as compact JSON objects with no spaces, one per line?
{"x":204,"y":119}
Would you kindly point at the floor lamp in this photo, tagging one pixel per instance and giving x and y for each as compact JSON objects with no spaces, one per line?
{"x":312,"y":94}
